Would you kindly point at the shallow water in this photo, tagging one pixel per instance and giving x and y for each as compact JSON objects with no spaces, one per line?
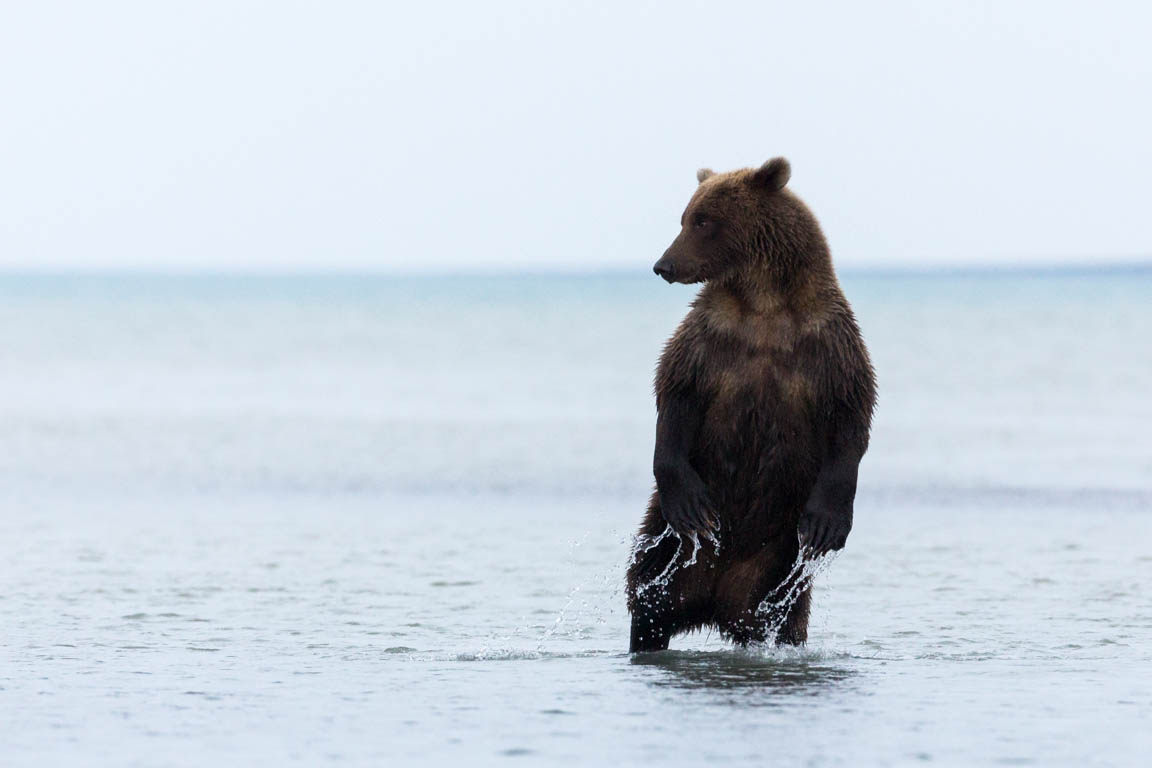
{"x":370,"y":520}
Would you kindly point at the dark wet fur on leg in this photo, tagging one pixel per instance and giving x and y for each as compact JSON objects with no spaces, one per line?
{"x":670,"y":593}
{"x":666,"y":595}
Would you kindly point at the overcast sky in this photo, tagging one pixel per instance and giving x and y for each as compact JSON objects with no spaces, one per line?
{"x":429,"y":136}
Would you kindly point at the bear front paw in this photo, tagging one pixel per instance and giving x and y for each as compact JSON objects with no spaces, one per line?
{"x":823,"y":531}
{"x":689,"y":510}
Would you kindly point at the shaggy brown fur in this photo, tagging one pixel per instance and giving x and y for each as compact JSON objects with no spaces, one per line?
{"x":764,"y":397}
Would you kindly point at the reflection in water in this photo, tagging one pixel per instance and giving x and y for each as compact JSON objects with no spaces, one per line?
{"x":743,"y":671}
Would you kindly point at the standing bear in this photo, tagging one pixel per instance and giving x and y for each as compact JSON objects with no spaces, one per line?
{"x":764,"y":398}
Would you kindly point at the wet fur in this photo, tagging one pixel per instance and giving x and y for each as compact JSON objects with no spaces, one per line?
{"x":771,"y":355}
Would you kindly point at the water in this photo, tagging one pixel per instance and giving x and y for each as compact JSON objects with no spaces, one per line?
{"x":312,"y":520}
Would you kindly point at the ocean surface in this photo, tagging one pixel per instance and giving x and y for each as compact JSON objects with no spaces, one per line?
{"x":369,"y":520}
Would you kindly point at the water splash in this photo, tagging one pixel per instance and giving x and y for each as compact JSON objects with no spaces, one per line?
{"x":669,"y":571}
{"x":695,"y":549}
{"x":804,"y":571}
{"x":562,"y":615}
{"x":644,"y":543}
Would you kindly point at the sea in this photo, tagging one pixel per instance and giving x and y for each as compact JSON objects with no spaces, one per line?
{"x":383,"y":520}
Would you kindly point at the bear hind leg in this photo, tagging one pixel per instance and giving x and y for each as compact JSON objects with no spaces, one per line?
{"x":669,"y":592}
{"x":794,"y":629}
{"x":650,"y":632}
{"x":743,"y":615}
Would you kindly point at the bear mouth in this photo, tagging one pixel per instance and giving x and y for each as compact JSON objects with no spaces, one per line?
{"x":670,"y":274}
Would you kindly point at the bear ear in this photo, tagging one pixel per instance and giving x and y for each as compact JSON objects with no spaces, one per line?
{"x":704,"y":173}
{"x":773,"y":175}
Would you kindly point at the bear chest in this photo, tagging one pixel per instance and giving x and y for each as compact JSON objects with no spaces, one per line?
{"x":758,"y":401}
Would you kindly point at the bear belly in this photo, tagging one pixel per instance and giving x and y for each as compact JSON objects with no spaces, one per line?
{"x":757,"y":458}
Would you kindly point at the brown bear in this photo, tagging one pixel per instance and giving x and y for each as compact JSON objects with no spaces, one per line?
{"x":764,"y":401}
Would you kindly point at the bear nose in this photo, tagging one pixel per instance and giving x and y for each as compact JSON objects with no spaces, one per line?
{"x":664,"y":270}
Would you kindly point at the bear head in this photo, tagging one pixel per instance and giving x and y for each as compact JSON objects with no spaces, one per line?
{"x":736,"y":221}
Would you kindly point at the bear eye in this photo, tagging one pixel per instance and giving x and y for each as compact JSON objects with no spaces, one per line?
{"x":701,"y":221}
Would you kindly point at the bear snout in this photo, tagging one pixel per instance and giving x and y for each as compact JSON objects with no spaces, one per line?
{"x":665,"y":269}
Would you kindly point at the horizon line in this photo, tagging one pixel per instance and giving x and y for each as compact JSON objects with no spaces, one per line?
{"x":1117,"y":266}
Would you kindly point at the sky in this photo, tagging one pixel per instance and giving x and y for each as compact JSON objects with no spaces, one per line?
{"x":469,"y":136}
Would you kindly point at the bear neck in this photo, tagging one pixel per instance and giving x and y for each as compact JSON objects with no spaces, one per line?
{"x":797,"y":278}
